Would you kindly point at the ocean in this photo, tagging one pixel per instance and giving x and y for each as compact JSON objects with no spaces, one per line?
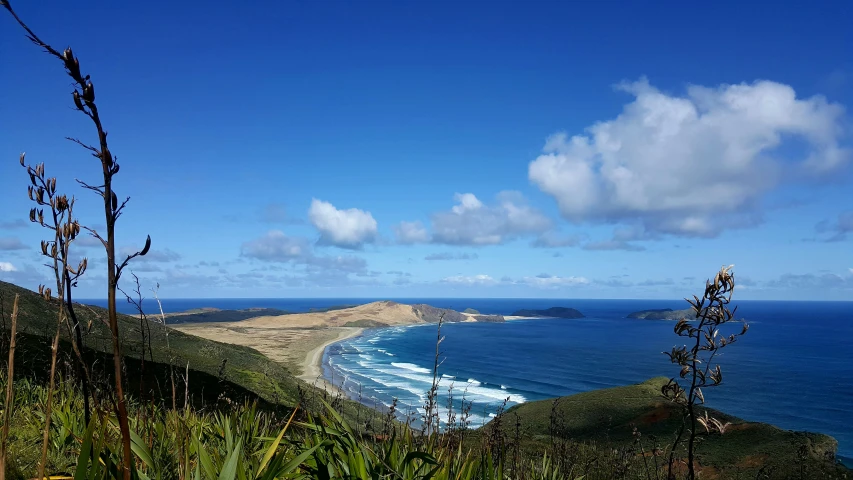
{"x":792,"y":369}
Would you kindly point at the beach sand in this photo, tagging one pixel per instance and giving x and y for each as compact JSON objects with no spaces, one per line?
{"x":312,"y":366}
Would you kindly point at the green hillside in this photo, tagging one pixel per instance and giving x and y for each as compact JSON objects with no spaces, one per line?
{"x":608,"y":417}
{"x":216,"y":370}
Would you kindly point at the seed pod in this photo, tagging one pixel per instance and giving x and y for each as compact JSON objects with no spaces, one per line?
{"x":146,"y":247}
{"x":30,"y":192}
{"x":77,"y":102}
{"x":114,"y":201}
{"x":89,"y":92}
{"x":22,"y":158}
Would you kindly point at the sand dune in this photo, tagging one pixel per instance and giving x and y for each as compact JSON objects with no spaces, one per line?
{"x":385,"y":312}
{"x":298,"y":340}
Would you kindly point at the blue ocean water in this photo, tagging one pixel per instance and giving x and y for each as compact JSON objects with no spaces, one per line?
{"x":793,"y":369}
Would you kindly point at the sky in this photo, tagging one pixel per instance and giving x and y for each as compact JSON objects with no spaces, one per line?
{"x":444,"y":149}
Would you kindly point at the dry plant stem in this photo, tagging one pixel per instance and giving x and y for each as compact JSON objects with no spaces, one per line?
{"x":84,"y":100}
{"x":168,"y":347}
{"x":10,"y":376}
{"x":77,"y":344}
{"x":705,"y":337}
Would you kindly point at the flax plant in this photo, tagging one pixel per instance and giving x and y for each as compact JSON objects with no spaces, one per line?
{"x":84,"y":100}
{"x":695,"y":361}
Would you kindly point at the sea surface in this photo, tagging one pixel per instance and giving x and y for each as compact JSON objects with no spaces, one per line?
{"x":793,"y":369}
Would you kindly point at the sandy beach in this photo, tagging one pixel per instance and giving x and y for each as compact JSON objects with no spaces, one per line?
{"x":312,"y":366}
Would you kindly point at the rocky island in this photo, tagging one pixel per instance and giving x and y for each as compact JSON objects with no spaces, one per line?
{"x":664,"y":314}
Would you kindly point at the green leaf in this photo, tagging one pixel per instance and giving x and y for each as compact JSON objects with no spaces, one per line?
{"x":290,"y":466}
{"x":229,"y":470}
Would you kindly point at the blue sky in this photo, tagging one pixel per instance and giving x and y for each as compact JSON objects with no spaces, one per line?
{"x":461,"y":149}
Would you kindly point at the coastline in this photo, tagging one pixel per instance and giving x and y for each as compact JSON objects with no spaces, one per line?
{"x":312,"y":366}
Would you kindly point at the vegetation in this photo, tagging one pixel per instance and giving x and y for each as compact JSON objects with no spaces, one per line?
{"x":365,"y":323}
{"x":213,"y":315}
{"x":637,"y":421}
{"x":93,"y":394}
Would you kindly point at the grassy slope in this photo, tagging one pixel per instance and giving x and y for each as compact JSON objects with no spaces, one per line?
{"x":214,"y":367}
{"x":607,"y":416}
{"x":242,"y":365}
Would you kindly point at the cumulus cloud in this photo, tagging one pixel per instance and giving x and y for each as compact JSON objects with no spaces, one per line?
{"x":554,"y":240}
{"x":11,"y":243}
{"x":470,"y":280}
{"x":276,"y":246}
{"x":451,"y":256}
{"x":409,"y":233}
{"x":690,"y":165}
{"x":552,"y":281}
{"x":7,"y":267}
{"x":471,"y":222}
{"x":350,"y":228}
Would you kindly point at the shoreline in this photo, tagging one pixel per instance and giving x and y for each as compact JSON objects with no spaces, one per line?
{"x":312,"y":365}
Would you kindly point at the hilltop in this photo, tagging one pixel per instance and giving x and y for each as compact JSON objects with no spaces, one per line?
{"x":608,"y":417}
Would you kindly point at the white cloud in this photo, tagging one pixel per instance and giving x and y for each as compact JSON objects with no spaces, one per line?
{"x":554,"y":240}
{"x":409,"y":233}
{"x":350,"y":228}
{"x":471,"y":222}
{"x":470,"y":280}
{"x":7,"y":267}
{"x":11,"y":243}
{"x":690,"y":165}
{"x":277,"y":247}
{"x":553,"y":281}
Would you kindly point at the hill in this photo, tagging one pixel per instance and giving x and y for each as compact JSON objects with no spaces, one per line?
{"x":664,"y":314}
{"x":608,"y":417}
{"x":553,"y":312}
{"x":223,"y":368}
{"x":213,"y":315}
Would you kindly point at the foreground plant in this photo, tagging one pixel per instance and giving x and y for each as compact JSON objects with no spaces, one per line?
{"x":695,"y":361}
{"x":84,"y":101}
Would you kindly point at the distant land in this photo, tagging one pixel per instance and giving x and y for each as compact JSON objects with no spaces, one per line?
{"x":553,"y":312}
{"x":664,"y":314}
{"x":214,"y":315}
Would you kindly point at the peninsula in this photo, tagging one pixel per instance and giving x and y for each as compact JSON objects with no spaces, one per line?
{"x":297,"y":340}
